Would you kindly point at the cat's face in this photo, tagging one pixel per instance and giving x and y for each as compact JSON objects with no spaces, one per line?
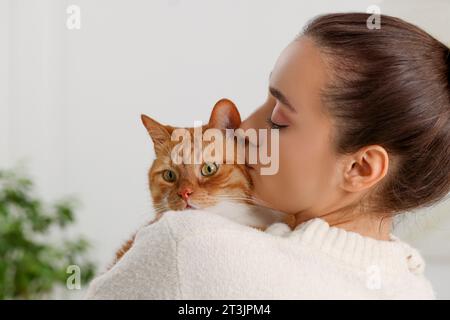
{"x":194,"y":186}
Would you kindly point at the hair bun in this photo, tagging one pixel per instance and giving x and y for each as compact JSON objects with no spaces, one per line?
{"x":447,"y":60}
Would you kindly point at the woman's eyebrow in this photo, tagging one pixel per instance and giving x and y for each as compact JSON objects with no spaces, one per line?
{"x":280,"y":96}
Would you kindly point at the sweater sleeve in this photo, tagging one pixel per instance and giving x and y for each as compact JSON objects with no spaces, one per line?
{"x":147,"y":271}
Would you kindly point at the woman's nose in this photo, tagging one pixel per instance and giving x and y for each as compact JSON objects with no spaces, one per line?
{"x":258,"y":119}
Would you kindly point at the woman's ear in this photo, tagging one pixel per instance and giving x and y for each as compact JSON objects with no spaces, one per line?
{"x":159,"y":133}
{"x":365,"y":168}
{"x":225,"y":115}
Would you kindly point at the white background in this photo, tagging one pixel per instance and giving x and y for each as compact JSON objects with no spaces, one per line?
{"x":70,"y":100}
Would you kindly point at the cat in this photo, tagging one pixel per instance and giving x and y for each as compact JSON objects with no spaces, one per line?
{"x":225,"y":188}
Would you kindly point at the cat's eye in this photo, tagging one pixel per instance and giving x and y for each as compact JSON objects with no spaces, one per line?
{"x":169,"y":175}
{"x":209,"y":168}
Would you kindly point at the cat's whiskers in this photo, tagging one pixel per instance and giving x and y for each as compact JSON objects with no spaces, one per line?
{"x":251,"y":199}
{"x":160,"y":208}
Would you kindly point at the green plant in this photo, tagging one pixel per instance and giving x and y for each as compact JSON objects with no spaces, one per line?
{"x":34,"y":254}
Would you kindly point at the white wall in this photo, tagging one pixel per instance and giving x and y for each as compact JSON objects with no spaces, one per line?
{"x":4,"y":80}
{"x":70,"y":100}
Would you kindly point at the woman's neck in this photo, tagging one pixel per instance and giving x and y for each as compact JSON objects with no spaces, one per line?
{"x":376,"y":226}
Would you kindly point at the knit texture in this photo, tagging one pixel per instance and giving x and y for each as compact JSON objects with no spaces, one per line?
{"x":197,"y":254}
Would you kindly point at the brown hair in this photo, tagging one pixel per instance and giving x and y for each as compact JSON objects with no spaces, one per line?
{"x":390,"y":87}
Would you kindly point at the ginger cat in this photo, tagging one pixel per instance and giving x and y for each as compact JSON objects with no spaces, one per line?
{"x":206,"y":185}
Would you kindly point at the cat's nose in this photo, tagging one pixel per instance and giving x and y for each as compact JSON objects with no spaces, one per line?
{"x":185,"y":193}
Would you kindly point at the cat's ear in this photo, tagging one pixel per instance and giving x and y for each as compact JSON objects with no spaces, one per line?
{"x":159,"y":133}
{"x":225,"y":115}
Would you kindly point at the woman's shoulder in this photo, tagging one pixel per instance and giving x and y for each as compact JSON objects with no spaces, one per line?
{"x":203,"y":235}
{"x":182,"y":225}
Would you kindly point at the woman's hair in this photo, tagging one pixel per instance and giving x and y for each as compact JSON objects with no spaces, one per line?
{"x":389,"y":87}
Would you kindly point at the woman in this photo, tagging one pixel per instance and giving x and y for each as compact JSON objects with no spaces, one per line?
{"x":364,"y":119}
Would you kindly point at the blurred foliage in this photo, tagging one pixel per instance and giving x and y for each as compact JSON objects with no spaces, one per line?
{"x":34,"y":257}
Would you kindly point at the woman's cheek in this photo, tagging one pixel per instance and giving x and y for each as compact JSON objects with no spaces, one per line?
{"x":290,"y":176}
{"x":288,"y":189}
{"x":279,"y":189}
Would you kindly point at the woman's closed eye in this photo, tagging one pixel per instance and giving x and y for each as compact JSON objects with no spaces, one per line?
{"x":274,"y":125}
{"x":278,"y":119}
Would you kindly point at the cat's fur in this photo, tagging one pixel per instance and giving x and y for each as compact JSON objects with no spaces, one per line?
{"x":228,"y":192}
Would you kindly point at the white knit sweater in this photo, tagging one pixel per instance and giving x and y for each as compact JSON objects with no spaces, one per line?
{"x":197,"y":254}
